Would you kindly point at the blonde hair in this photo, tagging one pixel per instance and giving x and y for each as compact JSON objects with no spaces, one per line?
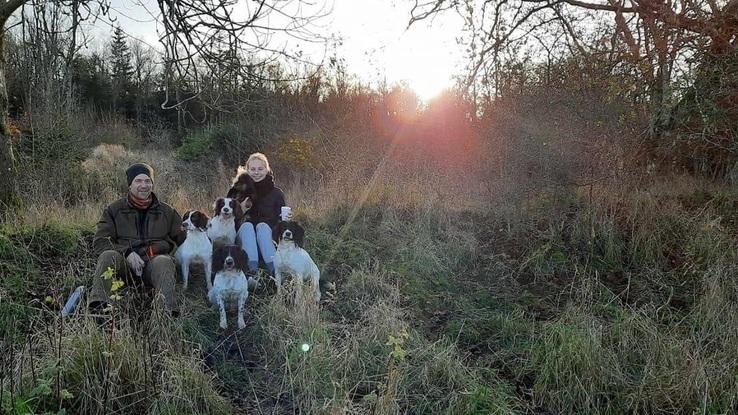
{"x":261,"y":157}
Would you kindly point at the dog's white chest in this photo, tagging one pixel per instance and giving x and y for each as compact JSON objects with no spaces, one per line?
{"x":197,"y":247}
{"x":222,"y":229}
{"x":230,"y":285}
{"x":295,"y":260}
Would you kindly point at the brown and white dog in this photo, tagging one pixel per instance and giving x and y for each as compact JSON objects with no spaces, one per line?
{"x":243,"y":189}
{"x":230,"y":282}
{"x":224,"y":224}
{"x":196,"y":248}
{"x":291,"y":258}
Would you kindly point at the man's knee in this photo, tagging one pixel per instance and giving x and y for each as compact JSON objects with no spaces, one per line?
{"x":110,"y":258}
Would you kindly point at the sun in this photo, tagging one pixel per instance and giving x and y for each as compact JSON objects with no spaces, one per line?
{"x":417,"y":63}
{"x":426,"y":80}
{"x":428,"y":88}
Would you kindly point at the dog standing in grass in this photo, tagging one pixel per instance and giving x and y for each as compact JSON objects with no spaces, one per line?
{"x":291,"y":258}
{"x":230,"y":282}
{"x":196,"y":248}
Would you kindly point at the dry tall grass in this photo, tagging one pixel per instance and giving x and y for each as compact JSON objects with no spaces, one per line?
{"x":450,"y":298}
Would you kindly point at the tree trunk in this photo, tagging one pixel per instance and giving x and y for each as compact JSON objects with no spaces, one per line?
{"x":8,"y":195}
{"x":8,"y":192}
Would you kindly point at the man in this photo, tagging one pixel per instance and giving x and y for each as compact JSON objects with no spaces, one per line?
{"x":135,"y":237}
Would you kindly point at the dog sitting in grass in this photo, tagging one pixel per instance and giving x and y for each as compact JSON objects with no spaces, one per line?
{"x":291,"y":258}
{"x":230,"y":283}
{"x":225,"y":221}
{"x":196,"y":248}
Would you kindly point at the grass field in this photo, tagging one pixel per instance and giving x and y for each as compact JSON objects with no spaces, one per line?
{"x":450,"y":297}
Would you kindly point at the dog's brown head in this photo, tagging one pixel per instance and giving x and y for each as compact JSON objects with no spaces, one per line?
{"x":226,"y":207}
{"x":243,"y":187}
{"x":229,"y":258}
{"x":194,"y":219}
{"x":289,"y":230}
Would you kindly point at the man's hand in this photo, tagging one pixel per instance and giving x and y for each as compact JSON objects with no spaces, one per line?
{"x":136,"y":263}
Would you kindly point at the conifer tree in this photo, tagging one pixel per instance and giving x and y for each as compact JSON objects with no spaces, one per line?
{"x":121,"y":71}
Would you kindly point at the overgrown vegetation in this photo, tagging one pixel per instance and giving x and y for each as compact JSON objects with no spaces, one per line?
{"x":525,"y":254}
{"x":586,"y":303}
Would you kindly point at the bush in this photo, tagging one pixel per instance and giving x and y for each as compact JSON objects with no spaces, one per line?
{"x":228,"y":141}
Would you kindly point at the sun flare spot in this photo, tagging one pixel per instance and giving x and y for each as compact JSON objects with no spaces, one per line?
{"x":417,"y":64}
{"x":428,"y":88}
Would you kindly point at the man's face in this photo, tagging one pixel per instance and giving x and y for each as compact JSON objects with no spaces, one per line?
{"x":141,"y":187}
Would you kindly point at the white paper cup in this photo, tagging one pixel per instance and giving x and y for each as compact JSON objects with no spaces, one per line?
{"x":285,"y":212}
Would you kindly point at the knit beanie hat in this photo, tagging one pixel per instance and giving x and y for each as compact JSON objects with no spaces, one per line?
{"x":138,"y":168}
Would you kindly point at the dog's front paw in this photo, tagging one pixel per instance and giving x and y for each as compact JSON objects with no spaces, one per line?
{"x":223,"y":324}
{"x":241,"y":323}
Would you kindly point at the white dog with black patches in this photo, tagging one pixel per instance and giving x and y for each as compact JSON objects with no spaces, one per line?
{"x":226,"y":220}
{"x":196,"y":248}
{"x":230,"y":283}
{"x":291,"y":258}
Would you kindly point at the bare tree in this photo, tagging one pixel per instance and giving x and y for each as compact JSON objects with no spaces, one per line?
{"x":198,"y":35}
{"x":233,"y":38}
{"x":649,"y":35}
{"x":144,"y":69}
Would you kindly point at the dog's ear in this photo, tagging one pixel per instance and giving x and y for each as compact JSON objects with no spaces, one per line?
{"x":298,"y":234}
{"x":243,"y":187}
{"x":277,"y":232}
{"x":234,"y":193}
{"x":218,"y":205}
{"x":246,"y":204}
{"x":200,"y":220}
{"x":237,"y":210}
{"x":219,"y":256}
{"x":241,"y":258}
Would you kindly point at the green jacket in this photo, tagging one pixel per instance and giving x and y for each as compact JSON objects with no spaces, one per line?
{"x":125,"y":229}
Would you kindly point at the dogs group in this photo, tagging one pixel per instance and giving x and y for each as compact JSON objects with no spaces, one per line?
{"x":211,"y":242}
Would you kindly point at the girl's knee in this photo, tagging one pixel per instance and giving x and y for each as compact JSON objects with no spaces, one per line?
{"x":246,"y":227}
{"x":263,"y":227}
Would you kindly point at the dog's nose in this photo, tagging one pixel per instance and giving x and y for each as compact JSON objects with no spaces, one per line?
{"x":229,"y":262}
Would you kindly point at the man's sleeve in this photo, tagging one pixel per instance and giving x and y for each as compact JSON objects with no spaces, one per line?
{"x":106,"y":236}
{"x":173,"y":237}
{"x":175,"y":229}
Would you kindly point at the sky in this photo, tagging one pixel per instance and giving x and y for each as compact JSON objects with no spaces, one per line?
{"x":376,"y":43}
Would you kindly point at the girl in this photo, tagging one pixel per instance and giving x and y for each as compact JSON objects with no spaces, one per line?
{"x":255,"y":233}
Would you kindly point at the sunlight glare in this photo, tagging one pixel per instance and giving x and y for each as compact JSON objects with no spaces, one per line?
{"x":415,"y":60}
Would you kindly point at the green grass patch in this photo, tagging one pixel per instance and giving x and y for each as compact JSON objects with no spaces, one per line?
{"x":574,"y":372}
